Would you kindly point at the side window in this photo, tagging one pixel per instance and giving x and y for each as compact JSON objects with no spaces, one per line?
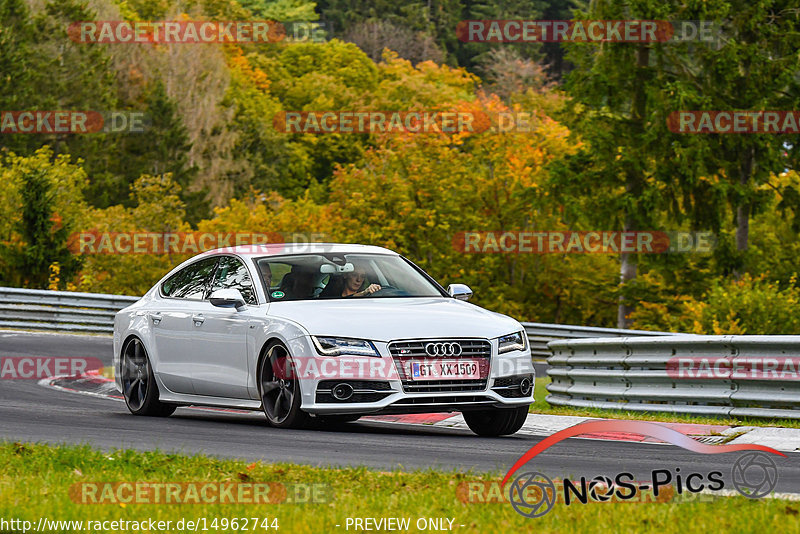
{"x":190,"y":282}
{"x":232,"y":274}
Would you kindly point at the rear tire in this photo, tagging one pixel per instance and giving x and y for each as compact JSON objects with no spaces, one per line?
{"x":279,"y":388}
{"x":139,"y":386}
{"x":496,"y":421}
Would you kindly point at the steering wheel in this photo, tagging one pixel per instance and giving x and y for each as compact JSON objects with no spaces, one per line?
{"x":389,"y":291}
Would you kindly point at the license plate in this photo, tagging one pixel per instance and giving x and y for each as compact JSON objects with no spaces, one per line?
{"x":445,"y":370}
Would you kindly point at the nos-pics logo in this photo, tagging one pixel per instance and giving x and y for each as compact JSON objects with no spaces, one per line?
{"x":533,"y":494}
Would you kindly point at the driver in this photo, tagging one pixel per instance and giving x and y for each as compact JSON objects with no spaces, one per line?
{"x":353,"y":282}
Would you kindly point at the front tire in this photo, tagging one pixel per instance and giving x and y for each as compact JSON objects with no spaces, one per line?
{"x":139,"y":386}
{"x":496,"y":421}
{"x":280,"y":389}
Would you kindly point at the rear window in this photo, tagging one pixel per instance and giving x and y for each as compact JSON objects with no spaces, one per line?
{"x":191,"y":282}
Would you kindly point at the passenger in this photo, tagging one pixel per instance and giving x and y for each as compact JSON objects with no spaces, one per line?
{"x":353,"y":282}
{"x":299,"y":283}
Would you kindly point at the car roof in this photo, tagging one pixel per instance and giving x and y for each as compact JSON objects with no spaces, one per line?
{"x":282,"y":249}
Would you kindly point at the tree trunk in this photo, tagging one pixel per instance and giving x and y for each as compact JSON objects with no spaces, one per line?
{"x":742,"y":226}
{"x":633,"y":185}
{"x":743,"y":209}
{"x":627,"y":272}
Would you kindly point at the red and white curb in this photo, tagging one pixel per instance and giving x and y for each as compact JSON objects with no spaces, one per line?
{"x":782,"y":439}
{"x":103,"y":387}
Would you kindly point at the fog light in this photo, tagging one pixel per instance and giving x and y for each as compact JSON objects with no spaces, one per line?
{"x":342,"y":392}
{"x":525,"y":386}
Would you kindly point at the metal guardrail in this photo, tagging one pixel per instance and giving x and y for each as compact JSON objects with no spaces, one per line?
{"x":94,"y":312}
{"x":37,"y":309}
{"x":641,"y":374}
{"x":540,"y":334}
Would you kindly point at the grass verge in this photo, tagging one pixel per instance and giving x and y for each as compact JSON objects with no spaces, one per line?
{"x":36,"y":481}
{"x":540,"y":405}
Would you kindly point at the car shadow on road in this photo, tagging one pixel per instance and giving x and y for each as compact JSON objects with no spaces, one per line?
{"x":256,"y":419}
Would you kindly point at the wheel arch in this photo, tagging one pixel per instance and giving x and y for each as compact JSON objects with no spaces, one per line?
{"x":128,"y":337}
{"x":262,"y":352}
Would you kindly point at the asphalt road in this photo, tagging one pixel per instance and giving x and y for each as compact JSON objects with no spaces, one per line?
{"x":30,"y":412}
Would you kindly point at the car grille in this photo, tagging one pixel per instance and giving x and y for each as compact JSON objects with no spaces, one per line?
{"x":475,"y":349}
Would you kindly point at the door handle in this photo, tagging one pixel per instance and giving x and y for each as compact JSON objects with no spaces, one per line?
{"x":198,"y":319}
{"x":155,"y":317}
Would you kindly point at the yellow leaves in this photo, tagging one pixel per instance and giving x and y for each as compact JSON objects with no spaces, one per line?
{"x":426,"y":86}
{"x":254,"y":75}
{"x":54,"y":279}
{"x":730,"y":307}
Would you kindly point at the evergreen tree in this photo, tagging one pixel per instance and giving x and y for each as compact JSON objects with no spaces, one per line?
{"x":44,"y":234}
{"x":17,"y":83}
{"x":162,"y":148}
{"x":282,"y":10}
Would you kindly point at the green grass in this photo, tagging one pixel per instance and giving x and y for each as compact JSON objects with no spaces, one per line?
{"x":35,"y":482}
{"x":540,"y":405}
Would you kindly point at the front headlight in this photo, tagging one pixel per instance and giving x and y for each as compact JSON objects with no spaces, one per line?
{"x":338,"y":346}
{"x":515,"y":341}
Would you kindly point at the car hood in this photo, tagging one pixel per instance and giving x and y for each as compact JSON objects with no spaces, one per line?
{"x":388,"y":319}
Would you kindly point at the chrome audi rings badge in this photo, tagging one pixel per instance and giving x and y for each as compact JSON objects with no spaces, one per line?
{"x":443,"y":349}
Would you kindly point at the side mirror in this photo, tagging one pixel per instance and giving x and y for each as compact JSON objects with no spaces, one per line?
{"x":227,"y":298}
{"x":459,"y":291}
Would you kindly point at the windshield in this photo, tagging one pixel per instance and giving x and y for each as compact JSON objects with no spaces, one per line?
{"x":342,"y":276}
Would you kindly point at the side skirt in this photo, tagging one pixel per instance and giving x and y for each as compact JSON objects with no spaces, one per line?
{"x":201,"y":400}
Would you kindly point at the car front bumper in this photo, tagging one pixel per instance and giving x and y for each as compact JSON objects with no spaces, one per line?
{"x":379,"y":387}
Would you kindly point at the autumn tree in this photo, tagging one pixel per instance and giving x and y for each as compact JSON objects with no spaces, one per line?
{"x":155,"y":207}
{"x":375,"y":36}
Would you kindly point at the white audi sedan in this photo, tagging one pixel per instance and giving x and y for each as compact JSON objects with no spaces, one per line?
{"x":320,"y":333}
